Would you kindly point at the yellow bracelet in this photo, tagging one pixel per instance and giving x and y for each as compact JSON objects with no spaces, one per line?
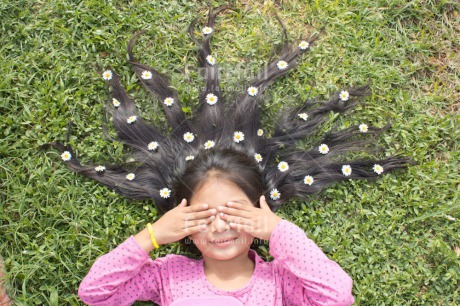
{"x":152,"y":236}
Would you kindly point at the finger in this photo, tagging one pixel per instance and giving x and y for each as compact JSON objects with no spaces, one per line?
{"x":263,"y":203}
{"x":201,"y":214}
{"x":240,"y":206}
{"x":234,"y":211}
{"x":194,"y":223}
{"x":182,"y":203}
{"x":195,"y":229}
{"x":242,"y":228}
{"x":196,"y":208}
{"x":234,"y":219}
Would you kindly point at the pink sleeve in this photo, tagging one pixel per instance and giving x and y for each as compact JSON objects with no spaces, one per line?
{"x":308,"y":276}
{"x":124,"y":275}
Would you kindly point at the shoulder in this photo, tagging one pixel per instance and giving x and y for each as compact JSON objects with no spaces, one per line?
{"x":177,"y":264}
{"x":171,"y":259}
{"x":267,"y":276}
{"x":263,"y":266}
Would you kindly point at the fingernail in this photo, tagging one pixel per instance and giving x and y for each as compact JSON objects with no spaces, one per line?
{"x":212,"y":218}
{"x":213,"y":211}
{"x":220,"y":208}
{"x":203,"y":226}
{"x":221,"y":214}
{"x":229,"y":203}
{"x":205,"y":205}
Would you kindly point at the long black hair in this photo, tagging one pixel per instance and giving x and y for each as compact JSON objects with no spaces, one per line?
{"x":226,"y":130}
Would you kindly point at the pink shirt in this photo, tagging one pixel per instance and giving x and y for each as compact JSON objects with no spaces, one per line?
{"x":300,"y":274}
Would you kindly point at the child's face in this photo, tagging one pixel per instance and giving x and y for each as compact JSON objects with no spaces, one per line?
{"x":218,"y":241}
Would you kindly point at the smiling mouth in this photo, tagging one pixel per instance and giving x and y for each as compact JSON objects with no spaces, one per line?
{"x":220,"y":241}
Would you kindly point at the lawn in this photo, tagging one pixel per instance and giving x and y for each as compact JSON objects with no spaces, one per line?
{"x":396,"y":236}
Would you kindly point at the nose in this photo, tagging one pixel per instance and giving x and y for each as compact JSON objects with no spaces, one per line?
{"x":219,"y":225}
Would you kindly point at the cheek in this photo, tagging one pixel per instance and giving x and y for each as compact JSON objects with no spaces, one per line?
{"x":198,"y":238}
{"x":248,"y":239}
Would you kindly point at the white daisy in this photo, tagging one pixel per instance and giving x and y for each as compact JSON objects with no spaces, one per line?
{"x":282,"y":65}
{"x":100,"y":169}
{"x":238,"y":137}
{"x":323,"y":149}
{"x":378,"y":169}
{"x":189,"y":137}
{"x":165,"y":193}
{"x":116,"y":103}
{"x":211,"y":60}
{"x":275,"y":194}
{"x":66,"y":156}
{"x":304,"y":45}
{"x":283,"y":166}
{"x":153,"y":146}
{"x":107,"y":75}
{"x":363,"y":128}
{"x":346,"y":170}
{"x":308,"y":180}
{"x":189,"y":157}
{"x":207,"y":30}
{"x":260,"y":132}
{"x":258,"y":157}
{"x":344,"y":95}
{"x":131,"y":119}
{"x":146,"y":75}
{"x":209,"y":144}
{"x":450,"y":218}
{"x":169,"y":101}
{"x":211,"y":99}
{"x":130,"y":176}
{"x":252,"y":91}
{"x":303,"y":116}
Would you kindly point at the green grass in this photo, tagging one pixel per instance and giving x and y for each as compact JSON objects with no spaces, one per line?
{"x":390,"y":235}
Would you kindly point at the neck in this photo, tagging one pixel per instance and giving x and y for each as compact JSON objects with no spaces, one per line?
{"x":229,"y":269}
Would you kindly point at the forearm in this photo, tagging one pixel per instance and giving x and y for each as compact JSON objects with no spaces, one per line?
{"x":144,"y":239}
{"x":318,"y":277}
{"x":109,"y":276}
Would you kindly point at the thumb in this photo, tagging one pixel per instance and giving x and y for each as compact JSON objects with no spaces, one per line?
{"x":182,"y":203}
{"x":263,"y":203}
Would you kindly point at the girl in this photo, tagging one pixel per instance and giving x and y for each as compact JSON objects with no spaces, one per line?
{"x":228,"y":177}
{"x":222,"y":219}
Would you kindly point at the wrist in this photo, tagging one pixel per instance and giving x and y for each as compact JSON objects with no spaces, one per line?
{"x":152,"y":236}
{"x":159,"y":234}
{"x":143,"y":240}
{"x":275,"y":223}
